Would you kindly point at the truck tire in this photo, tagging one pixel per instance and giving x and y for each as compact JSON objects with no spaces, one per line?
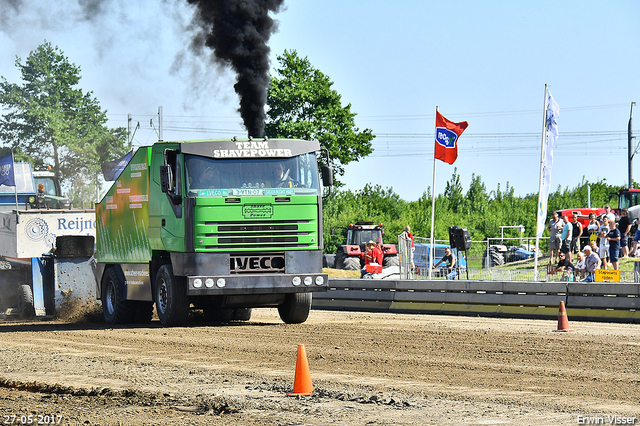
{"x":172,"y":302}
{"x":295,"y":309}
{"x":25,"y":302}
{"x":115,"y":309}
{"x":352,"y":264}
{"x":391,"y":260}
{"x":241,"y":314}
{"x":74,"y":246}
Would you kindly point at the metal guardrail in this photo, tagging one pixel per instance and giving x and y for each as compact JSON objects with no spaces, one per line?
{"x":584,"y":301}
{"x":503,"y":274}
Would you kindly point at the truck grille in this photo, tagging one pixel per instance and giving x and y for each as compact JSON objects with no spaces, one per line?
{"x":263,"y":235}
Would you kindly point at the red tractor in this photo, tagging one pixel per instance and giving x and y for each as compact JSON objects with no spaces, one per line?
{"x":351,"y":255}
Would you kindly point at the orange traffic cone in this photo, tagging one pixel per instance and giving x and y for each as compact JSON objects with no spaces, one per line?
{"x":563,"y":321}
{"x":302,"y":381}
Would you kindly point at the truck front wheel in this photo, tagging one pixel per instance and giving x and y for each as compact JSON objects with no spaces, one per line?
{"x":172,"y":302}
{"x":115,"y":309}
{"x":295,"y":309}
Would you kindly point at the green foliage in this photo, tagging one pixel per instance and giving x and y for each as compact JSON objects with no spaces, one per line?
{"x":53,"y":122}
{"x":481,"y":212}
{"x":302,"y":104}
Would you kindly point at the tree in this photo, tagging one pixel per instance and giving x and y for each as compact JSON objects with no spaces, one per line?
{"x":303,"y":105}
{"x":50,"y":120}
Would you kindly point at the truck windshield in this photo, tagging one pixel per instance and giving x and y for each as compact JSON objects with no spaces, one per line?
{"x":208,"y":177}
{"x":49,"y":184}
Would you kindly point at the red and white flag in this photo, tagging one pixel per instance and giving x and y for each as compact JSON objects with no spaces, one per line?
{"x":447,"y":134}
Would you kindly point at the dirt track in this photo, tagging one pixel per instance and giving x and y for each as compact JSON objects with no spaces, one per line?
{"x":366,"y":369}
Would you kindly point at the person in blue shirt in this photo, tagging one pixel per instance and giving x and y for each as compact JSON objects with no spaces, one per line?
{"x":614,"y":244}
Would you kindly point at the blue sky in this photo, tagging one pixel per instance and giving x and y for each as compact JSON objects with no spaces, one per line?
{"x":483,"y":62}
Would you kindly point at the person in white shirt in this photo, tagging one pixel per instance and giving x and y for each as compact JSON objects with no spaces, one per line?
{"x":609,"y":213}
{"x":603,"y":250}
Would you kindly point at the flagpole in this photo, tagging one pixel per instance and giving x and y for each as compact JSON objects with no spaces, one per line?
{"x":15,"y":188}
{"x":539,"y":207}
{"x":433,"y":204}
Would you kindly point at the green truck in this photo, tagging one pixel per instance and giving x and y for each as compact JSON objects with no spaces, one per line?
{"x":221,"y":226}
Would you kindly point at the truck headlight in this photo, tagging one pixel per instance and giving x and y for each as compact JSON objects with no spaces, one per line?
{"x":197,"y":283}
{"x":319,"y":280}
{"x":308,"y":280}
{"x":296,"y":281}
{"x":221,"y":282}
{"x":208,"y":282}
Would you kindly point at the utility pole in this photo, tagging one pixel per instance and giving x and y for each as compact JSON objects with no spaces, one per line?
{"x":631,"y":150}
{"x":129,"y":138}
{"x":160,"y":124}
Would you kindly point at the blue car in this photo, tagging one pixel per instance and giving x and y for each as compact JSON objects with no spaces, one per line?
{"x":421,"y":259}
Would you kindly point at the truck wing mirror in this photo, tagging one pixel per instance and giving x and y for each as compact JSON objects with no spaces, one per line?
{"x":327,"y":176}
{"x":165,"y":178}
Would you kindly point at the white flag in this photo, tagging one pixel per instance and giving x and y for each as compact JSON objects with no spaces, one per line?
{"x":551,"y":136}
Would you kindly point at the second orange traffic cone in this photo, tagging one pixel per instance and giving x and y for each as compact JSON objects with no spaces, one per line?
{"x":563,"y":320}
{"x":302,"y":381}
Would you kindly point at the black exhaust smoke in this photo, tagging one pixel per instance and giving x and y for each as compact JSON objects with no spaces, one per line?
{"x":238,"y":32}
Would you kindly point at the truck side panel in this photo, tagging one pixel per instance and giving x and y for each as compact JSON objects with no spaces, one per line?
{"x":122,"y":217}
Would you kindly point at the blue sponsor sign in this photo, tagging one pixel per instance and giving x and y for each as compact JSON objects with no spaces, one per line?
{"x":445,"y":137}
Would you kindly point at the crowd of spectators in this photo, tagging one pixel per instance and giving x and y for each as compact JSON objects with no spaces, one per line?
{"x":608,"y":242}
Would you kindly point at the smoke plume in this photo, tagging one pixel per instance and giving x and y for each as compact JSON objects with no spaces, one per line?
{"x":238,"y":32}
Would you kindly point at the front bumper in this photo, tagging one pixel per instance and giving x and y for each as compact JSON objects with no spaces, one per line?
{"x":256,"y":284}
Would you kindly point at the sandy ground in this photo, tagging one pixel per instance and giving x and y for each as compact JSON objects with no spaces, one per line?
{"x":367,"y":369}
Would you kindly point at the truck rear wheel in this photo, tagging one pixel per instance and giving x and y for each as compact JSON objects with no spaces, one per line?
{"x":25,"y":302}
{"x":295,"y":309}
{"x":172,"y":302}
{"x":115,"y":309}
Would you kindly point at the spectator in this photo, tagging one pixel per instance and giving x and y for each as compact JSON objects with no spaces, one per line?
{"x":564,"y":265}
{"x":624,"y":226}
{"x":613,"y":236}
{"x":591,"y":263}
{"x":407,"y":235}
{"x":636,"y":238}
{"x":555,"y":229}
{"x":609,"y":213}
{"x":565,"y":237}
{"x":580,"y":270}
{"x":378,"y":255}
{"x":577,"y":233}
{"x":368,"y":258}
{"x":603,"y":251}
{"x":450,"y":261}
{"x":592,"y":227}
